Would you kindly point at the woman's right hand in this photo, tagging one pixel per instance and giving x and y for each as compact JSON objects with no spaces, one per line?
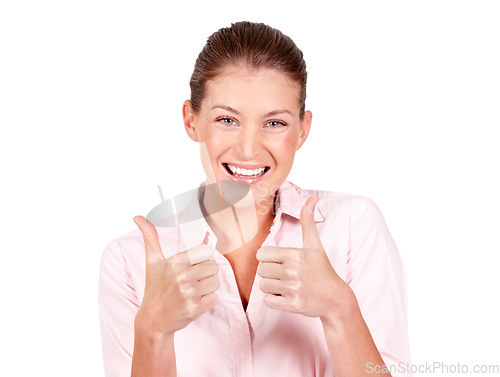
{"x":178,"y":289}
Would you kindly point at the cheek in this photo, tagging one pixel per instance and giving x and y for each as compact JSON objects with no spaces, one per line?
{"x":285,"y":148}
{"x":212,"y":139}
{"x":210,"y":148}
{"x":215,"y":142}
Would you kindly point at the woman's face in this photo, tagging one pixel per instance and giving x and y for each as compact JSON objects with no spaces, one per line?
{"x":249,"y":127}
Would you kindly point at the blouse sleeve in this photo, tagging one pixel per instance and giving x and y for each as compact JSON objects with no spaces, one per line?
{"x":118,"y":305}
{"x":376,"y":275}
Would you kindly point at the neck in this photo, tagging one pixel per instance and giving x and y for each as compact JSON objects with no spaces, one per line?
{"x":238,"y":225}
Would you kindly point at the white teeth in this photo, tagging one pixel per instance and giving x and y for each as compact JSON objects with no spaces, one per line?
{"x":246,"y":172}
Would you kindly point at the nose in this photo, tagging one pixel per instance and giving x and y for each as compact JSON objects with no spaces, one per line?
{"x":249,"y":143}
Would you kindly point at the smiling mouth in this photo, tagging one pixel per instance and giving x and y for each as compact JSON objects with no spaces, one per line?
{"x":245,"y":173}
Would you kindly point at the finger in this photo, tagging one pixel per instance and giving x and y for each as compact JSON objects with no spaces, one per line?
{"x":272,"y":286}
{"x":310,"y":235}
{"x":271,"y":254}
{"x":194,"y":256}
{"x":208,"y":285}
{"x":199,"y":254}
{"x":151,"y":242}
{"x":203,"y":270}
{"x":270,"y":270}
{"x":207,"y":302}
{"x":276,"y":302}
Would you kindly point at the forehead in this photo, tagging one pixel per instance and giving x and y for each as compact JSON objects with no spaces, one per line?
{"x":263,"y":89}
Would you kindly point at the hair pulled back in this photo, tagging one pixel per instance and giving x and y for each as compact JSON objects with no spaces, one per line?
{"x":252,"y":45}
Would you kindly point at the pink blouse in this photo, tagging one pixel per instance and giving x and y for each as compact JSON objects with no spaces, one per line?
{"x":230,"y":342}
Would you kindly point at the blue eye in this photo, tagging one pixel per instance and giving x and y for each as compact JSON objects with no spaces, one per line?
{"x":275,"y":124}
{"x":226,"y":120}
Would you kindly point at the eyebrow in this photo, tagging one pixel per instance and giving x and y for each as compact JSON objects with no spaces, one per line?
{"x":271,"y":113}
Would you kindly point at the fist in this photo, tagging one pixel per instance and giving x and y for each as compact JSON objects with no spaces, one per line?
{"x":302,"y":280}
{"x":178,"y":289}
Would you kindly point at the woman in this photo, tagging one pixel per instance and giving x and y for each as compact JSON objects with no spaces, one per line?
{"x":284,"y":282}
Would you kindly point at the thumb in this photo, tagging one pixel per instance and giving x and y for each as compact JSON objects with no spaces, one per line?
{"x":151,"y":242}
{"x":310,"y":235}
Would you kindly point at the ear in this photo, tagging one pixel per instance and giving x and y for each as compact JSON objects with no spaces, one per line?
{"x":305,"y":127}
{"x":189,"y":120}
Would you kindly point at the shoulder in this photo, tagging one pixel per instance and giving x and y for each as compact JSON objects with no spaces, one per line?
{"x":130,"y":245}
{"x":330,"y":202}
{"x":123,"y":260}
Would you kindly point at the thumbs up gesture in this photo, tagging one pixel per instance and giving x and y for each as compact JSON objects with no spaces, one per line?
{"x":301,"y":280}
{"x":178,"y":289}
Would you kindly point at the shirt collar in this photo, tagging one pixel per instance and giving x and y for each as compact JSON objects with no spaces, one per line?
{"x":291,"y":199}
{"x":194,"y":229}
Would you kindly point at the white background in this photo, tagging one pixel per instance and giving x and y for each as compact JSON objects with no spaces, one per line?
{"x":406,"y":100}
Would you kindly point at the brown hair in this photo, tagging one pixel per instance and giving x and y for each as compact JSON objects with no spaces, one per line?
{"x":254,"y":45}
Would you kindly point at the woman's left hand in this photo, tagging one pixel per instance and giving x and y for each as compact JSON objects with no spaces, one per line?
{"x":302,"y":280}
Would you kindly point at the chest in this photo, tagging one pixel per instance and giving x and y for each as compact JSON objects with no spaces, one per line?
{"x":244,"y":265}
